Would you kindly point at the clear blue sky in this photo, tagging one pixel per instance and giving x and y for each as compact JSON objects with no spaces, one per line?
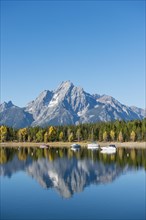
{"x":98,"y":45}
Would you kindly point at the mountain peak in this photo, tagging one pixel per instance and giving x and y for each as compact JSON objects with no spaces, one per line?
{"x":10,"y":104}
{"x":64,"y":88}
{"x":65,"y":85}
{"x":6,"y":105}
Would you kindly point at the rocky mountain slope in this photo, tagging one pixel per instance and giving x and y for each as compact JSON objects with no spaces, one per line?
{"x":67,"y":104}
{"x":14,"y":116}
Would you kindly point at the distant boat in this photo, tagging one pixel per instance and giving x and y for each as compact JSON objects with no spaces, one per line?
{"x":43,"y":146}
{"x":93,"y":146}
{"x":110,"y":149}
{"x":75,"y":147}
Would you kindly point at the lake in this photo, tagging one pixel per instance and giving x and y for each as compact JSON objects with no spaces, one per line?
{"x":63,"y":184}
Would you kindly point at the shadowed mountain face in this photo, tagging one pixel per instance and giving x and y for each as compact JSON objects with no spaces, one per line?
{"x":67,"y":104}
{"x":14,"y":116}
{"x":66,"y":171}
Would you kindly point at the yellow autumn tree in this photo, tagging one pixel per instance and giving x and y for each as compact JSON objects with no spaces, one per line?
{"x":61,"y":136}
{"x":105,"y":136}
{"x":46,"y":137}
{"x":120,"y":136}
{"x":112,"y":135}
{"x":3,"y":133}
{"x":52,"y":133}
{"x":22,"y":134}
{"x":71,"y":137}
{"x":133,"y":136}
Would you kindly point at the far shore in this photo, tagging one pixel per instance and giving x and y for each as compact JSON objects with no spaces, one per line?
{"x":138,"y":145}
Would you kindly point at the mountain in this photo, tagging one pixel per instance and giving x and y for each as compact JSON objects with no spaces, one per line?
{"x":5,"y":106}
{"x":138,"y":111}
{"x":14,"y":116}
{"x":113,"y":109}
{"x":68,"y":104}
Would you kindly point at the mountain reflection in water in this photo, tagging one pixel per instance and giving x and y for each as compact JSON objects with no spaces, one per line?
{"x":67,"y":171}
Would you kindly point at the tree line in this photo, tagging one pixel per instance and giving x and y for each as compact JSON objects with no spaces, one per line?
{"x":121,"y":131}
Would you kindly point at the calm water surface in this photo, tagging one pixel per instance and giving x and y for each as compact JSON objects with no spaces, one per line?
{"x":62,"y":184}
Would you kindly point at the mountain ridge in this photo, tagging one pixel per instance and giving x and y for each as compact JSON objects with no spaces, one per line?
{"x":66,"y":105}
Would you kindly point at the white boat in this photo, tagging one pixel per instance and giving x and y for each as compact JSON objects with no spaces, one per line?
{"x":110,"y":149}
{"x":75,"y":147}
{"x":93,"y":146}
{"x":43,"y":146}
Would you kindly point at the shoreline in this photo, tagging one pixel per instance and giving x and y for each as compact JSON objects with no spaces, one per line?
{"x":137,"y":145}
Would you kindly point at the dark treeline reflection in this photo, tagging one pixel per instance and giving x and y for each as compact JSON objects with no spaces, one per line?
{"x":133,"y":157}
{"x":67,"y":171}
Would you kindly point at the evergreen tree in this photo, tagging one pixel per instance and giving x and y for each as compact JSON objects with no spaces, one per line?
{"x":40,"y":136}
{"x":78,"y":134}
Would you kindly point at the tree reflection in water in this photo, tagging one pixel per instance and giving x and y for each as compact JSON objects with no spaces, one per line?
{"x":68,"y":171}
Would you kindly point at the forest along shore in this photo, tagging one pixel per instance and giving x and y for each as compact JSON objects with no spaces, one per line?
{"x":135,"y":145}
